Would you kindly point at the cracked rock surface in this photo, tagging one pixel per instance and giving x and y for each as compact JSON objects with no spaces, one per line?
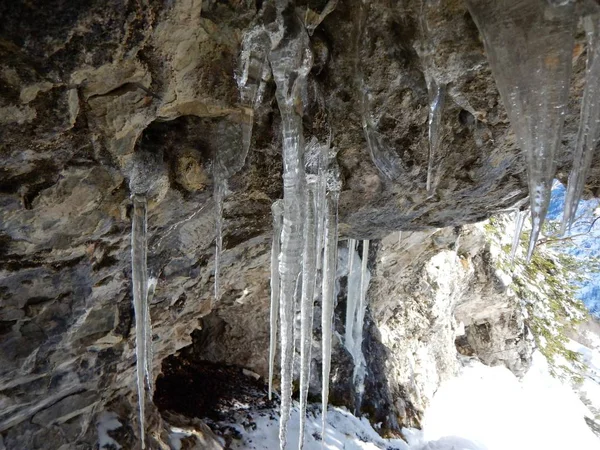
{"x":87,"y":87}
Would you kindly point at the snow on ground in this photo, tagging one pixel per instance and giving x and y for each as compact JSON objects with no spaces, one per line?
{"x":484,"y":408}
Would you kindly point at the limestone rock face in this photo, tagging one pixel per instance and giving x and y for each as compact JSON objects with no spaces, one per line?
{"x":87,"y":87}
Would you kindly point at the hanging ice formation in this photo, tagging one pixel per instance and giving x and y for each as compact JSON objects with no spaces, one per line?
{"x":330,"y":239}
{"x":309,"y":274}
{"x":291,"y":61}
{"x":139,"y":275}
{"x":277,"y":211}
{"x":519,"y":221}
{"x":529,"y":45}
{"x":356,"y":306}
{"x":589,"y":125}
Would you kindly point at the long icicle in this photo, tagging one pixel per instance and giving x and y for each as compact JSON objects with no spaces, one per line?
{"x":589,"y":124}
{"x":328,"y":291}
{"x":359,"y":360}
{"x":139,"y":275}
{"x":277,"y":211}
{"x":309,"y":274}
{"x":218,"y":196}
{"x":529,"y":45}
{"x":351,"y":297}
{"x":519,"y":221}
{"x":291,"y":60}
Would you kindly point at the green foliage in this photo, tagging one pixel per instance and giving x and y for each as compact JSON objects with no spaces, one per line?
{"x":546,"y":288}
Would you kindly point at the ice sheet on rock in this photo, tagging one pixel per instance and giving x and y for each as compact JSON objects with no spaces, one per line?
{"x":437,"y":94}
{"x":291,"y":60}
{"x":329,"y":273}
{"x":589,"y":125}
{"x":529,"y":47}
{"x":139,"y":275}
{"x":309,"y":274}
{"x":277,"y":212}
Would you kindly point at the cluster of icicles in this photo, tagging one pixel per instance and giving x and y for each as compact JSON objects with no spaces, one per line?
{"x":529,"y":45}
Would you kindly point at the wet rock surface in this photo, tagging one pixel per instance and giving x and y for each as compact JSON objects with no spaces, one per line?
{"x":86,"y":87}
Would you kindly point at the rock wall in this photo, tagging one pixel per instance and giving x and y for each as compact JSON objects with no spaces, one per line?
{"x":84,"y":88}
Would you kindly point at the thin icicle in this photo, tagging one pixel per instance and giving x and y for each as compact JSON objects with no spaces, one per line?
{"x":437,"y":94}
{"x":352,"y":297}
{"x":519,"y":221}
{"x":139,"y":275}
{"x":291,"y":61}
{"x":309,"y":274}
{"x":529,"y":46}
{"x":218,"y":195}
{"x":328,"y":288}
{"x":360,"y":364}
{"x":589,"y":125}
{"x":152,"y":281}
{"x":277,"y":211}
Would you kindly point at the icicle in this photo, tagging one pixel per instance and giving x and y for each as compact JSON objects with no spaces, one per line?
{"x":291,"y":61}
{"x":309,"y":274}
{"x":529,"y":45}
{"x":589,"y":125}
{"x":358,"y":283}
{"x":152,"y":281}
{"x":359,"y":357}
{"x":277,"y":211}
{"x":399,"y":237}
{"x":437,"y":94}
{"x":328,"y":288}
{"x":139,"y":275}
{"x":218,"y":195}
{"x":352,"y":298}
{"x":519,"y":221}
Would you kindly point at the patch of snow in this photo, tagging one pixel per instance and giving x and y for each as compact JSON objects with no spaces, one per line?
{"x":107,"y":421}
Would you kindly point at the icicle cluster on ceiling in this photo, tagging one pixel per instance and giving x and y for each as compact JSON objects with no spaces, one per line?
{"x":529,"y":44}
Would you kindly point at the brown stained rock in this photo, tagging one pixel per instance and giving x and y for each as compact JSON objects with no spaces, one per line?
{"x":84,"y":85}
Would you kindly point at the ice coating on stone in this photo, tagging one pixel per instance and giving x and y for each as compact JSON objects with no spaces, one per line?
{"x":253,"y":69}
{"x":382,"y":153}
{"x":352,"y":297}
{"x":519,"y":221}
{"x":328,"y":288}
{"x":589,"y":125}
{"x":437,"y":94}
{"x":152,"y":282}
{"x":309,"y":275}
{"x":139,"y":275}
{"x":529,"y":46}
{"x":291,"y":60}
{"x":277,"y":212}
